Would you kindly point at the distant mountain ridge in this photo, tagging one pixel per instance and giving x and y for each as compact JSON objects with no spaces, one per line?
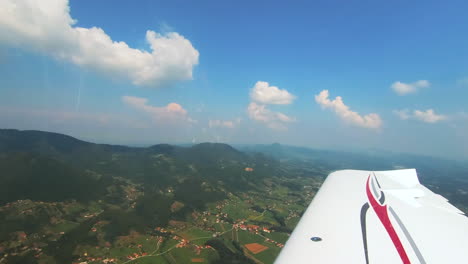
{"x":49,"y":143}
{"x":72,"y":160}
{"x":375,"y":160}
{"x":27,"y":140}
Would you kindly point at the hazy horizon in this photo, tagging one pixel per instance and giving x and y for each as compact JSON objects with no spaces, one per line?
{"x":237,"y":145}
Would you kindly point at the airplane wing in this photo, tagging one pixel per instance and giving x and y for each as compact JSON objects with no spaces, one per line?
{"x":378,"y":217}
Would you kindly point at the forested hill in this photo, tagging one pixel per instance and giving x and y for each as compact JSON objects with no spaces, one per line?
{"x":67,"y":147}
{"x":62,"y":167}
{"x":163,"y":165}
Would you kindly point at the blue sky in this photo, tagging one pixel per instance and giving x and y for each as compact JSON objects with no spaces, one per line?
{"x":240,"y":72}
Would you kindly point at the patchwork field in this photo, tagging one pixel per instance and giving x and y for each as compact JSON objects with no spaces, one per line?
{"x":255,"y":248}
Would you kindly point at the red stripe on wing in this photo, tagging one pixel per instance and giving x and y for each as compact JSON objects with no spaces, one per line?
{"x":382,"y":213}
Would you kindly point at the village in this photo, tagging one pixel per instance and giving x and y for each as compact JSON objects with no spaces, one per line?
{"x":255,"y":223}
{"x":230,"y":220}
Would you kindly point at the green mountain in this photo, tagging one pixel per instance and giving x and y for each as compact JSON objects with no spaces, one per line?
{"x":49,"y":166}
{"x":84,"y":153}
{"x":54,"y":189}
{"x":38,"y":141}
{"x":36,"y":177}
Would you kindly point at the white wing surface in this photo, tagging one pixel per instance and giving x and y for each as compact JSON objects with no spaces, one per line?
{"x":378,"y":217}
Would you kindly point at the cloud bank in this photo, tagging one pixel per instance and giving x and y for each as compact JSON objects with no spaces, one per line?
{"x":428,"y":116}
{"x":46,"y":27}
{"x":170,"y":112}
{"x":408,"y":88}
{"x":274,"y":120}
{"x":368,"y":121}
{"x":263,"y":93}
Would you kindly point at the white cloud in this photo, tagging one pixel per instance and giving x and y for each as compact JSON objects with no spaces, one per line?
{"x":263,"y":93}
{"x":170,"y":112}
{"x":402,"y":114}
{"x":46,"y":27}
{"x":428,"y":116}
{"x":224,"y":123}
{"x":369,"y":121}
{"x":407,"y":88}
{"x":275,"y":120}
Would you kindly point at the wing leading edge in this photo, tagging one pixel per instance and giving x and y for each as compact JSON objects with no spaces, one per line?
{"x":377,"y":217}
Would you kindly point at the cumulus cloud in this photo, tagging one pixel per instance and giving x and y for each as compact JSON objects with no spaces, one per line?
{"x":46,"y":27}
{"x":224,"y":123}
{"x":428,"y":116}
{"x":407,"y":88}
{"x":170,"y":112}
{"x":263,"y":93}
{"x":368,"y":121}
{"x":403,"y":114}
{"x":275,"y":120}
